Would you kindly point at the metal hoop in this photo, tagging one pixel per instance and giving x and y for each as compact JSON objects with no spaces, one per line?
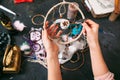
{"x":78,"y":58}
{"x":37,"y":15}
{"x":62,"y":3}
{"x":76,"y":68}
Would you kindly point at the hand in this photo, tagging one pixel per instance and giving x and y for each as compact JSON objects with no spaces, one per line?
{"x":53,"y":30}
{"x":91,"y":30}
{"x":99,"y":66}
{"x":50,"y":46}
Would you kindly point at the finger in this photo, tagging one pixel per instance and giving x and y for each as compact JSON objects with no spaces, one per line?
{"x":86,"y":27}
{"x":90,"y":22}
{"x":46,"y":25}
{"x":59,"y":33}
{"x":50,"y":29}
{"x":54,"y":31}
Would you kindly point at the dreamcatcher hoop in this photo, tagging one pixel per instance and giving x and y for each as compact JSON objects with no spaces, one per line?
{"x":59,"y":4}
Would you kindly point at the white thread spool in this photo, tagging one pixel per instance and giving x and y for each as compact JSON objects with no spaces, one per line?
{"x":72,"y":11}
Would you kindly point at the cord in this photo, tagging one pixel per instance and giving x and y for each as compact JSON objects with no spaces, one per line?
{"x":62,"y":13}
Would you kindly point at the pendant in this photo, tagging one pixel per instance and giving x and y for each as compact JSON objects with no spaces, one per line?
{"x":64,"y":23}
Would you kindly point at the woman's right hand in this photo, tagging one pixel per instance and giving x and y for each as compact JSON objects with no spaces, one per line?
{"x":91,"y":31}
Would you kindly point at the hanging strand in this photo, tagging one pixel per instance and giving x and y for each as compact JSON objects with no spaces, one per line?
{"x":60,"y":10}
{"x":53,"y":14}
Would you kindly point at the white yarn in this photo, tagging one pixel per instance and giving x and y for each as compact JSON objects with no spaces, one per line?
{"x":68,"y":55}
{"x":24,"y":47}
{"x":18,"y":25}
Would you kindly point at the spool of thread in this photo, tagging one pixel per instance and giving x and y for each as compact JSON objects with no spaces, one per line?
{"x":72,"y":11}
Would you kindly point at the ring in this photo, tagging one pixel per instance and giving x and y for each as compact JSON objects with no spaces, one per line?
{"x":35,"y":16}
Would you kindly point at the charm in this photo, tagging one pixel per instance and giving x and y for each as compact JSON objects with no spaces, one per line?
{"x":36,"y":47}
{"x":37,"y":44}
{"x":35,"y":35}
{"x":64,"y":23}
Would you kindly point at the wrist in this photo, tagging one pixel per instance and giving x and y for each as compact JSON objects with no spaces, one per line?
{"x":93,"y":44}
{"x":95,"y":48}
{"x":52,"y":55}
{"x":51,"y":59}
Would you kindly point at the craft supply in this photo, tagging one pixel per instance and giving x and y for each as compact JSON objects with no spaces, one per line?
{"x":62,"y":11}
{"x":75,"y":68}
{"x":72,"y":11}
{"x":64,"y":23}
{"x":60,"y":7}
{"x":36,"y":43}
{"x":37,"y":16}
{"x":18,"y":25}
{"x":7,"y":10}
{"x":75,"y":29}
{"x":12,"y":59}
{"x":5,"y":21}
{"x":20,"y":1}
{"x":36,"y":47}
{"x":24,"y":46}
{"x":35,"y":35}
{"x":67,"y":52}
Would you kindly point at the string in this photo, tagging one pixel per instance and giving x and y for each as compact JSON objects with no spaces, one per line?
{"x":64,"y":9}
{"x":53,"y":14}
{"x":107,"y":33}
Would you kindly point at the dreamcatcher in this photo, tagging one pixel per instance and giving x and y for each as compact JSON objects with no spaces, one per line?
{"x":66,"y":20}
{"x":69,"y":28}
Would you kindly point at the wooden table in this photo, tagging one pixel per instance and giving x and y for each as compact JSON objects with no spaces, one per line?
{"x":116,"y":12}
